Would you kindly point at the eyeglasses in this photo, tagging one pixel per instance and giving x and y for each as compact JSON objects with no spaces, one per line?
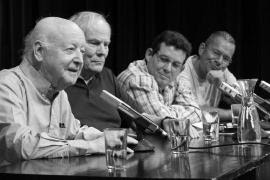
{"x":217,"y":54}
{"x":166,"y":60}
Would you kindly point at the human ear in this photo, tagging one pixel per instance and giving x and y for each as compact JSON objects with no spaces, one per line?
{"x":202,"y":48}
{"x":148,"y":54}
{"x":38,"y":51}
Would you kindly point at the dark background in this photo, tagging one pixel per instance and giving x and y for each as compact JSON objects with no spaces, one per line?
{"x":136,"y":22}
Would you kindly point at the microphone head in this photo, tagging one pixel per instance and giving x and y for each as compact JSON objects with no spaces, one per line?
{"x":164,"y":133}
{"x":265,"y":86}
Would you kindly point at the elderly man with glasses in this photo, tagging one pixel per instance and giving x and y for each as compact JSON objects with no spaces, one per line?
{"x":209,"y":66}
{"x":151,"y":81}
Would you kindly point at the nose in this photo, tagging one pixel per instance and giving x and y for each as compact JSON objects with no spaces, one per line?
{"x":219,"y":60}
{"x":79,"y":57}
{"x":167,"y":67}
{"x":101,"y":50}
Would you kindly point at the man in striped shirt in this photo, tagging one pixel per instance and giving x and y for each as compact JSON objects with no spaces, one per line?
{"x":151,"y":81}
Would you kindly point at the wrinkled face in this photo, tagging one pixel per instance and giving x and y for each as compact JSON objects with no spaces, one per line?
{"x":63,"y":59}
{"x":165,"y":64}
{"x":217,"y":55}
{"x":97,"y":48}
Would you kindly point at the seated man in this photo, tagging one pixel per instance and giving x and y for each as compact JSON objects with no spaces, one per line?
{"x":35,"y":116}
{"x":84,"y":96}
{"x":210,"y":65}
{"x":151,"y":81}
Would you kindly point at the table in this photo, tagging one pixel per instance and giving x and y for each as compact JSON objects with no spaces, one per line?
{"x":226,"y":162}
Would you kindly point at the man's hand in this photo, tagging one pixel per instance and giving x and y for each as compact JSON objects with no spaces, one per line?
{"x":193,"y":133}
{"x":89,"y":133}
{"x":131,"y":140}
{"x":264,"y":134}
{"x":98,"y":144}
{"x":215,"y":76}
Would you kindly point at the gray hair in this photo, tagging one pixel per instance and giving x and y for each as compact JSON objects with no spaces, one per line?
{"x":29,"y":41}
{"x":222,"y":34}
{"x":86,"y":19}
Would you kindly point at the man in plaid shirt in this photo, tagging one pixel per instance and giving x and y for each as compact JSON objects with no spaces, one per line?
{"x":151,"y":81}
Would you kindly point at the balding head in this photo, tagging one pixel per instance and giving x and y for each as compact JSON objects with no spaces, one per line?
{"x":55,"y":48}
{"x":50,"y":30}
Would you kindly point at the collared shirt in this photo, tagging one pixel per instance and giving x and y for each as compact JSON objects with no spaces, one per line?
{"x":206,"y":94}
{"x":143,"y":88}
{"x":32,"y":125}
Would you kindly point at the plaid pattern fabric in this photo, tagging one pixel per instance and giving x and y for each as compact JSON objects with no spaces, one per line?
{"x":173,"y":101}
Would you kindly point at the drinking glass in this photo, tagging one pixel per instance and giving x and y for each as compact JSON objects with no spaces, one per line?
{"x":179,"y":135}
{"x":236,"y":109}
{"x":210,"y":126}
{"x":116,"y":148}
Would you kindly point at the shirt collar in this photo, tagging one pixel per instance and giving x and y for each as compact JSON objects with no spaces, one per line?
{"x":87,"y":80}
{"x":144,"y":66}
{"x":42,"y":85}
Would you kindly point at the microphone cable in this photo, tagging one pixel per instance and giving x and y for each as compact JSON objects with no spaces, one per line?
{"x":230,"y":144}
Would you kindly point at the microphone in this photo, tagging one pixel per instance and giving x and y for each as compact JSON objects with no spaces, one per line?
{"x":141,"y":120}
{"x":265,"y":86}
{"x":229,"y":90}
{"x":262,"y":104}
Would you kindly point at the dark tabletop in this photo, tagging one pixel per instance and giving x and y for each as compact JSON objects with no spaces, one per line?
{"x":225,"y":162}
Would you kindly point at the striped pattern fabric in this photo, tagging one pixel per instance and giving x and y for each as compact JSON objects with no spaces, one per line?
{"x":173,"y":101}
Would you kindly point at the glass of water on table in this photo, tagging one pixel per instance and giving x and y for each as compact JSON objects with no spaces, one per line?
{"x":179,"y":135}
{"x":116,"y":148}
{"x":210,"y":126}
